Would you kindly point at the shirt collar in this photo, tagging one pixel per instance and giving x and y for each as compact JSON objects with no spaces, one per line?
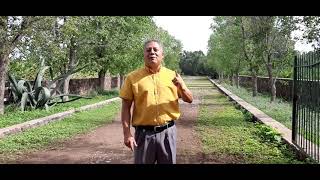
{"x":151,"y":71}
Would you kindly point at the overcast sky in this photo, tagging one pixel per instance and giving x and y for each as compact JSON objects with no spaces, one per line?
{"x":194,"y":31}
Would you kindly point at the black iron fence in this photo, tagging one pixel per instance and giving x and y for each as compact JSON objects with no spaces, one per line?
{"x":306,"y":104}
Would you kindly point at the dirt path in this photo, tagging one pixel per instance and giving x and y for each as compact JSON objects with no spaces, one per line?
{"x":101,"y":146}
{"x":105,"y":144}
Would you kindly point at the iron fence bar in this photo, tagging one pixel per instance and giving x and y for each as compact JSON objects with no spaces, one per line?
{"x":300,"y":100}
{"x":313,"y":109}
{"x":307,"y":107}
{"x":301,"y":107}
{"x":306,"y":104}
{"x":314,"y":119}
{"x":311,"y":65}
{"x":294,"y":109}
{"x":303,"y":103}
{"x":318,"y":110}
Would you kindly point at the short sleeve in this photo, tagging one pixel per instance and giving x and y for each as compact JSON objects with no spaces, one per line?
{"x":126,"y":89}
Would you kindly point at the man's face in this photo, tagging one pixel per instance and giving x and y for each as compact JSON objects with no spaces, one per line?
{"x":153,"y":54}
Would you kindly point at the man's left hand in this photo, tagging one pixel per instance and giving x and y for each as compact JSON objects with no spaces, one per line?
{"x":177,"y":81}
{"x":183,"y":91}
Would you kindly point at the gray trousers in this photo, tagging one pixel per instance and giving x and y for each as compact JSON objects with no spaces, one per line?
{"x":155,"y":147}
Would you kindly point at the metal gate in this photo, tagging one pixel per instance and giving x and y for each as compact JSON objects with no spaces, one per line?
{"x":306,"y":104}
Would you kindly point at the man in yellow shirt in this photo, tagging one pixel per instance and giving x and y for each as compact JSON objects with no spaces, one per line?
{"x":154,"y":92}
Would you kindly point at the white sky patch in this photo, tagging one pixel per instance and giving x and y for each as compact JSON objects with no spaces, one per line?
{"x":301,"y":45}
{"x":192,"y":31}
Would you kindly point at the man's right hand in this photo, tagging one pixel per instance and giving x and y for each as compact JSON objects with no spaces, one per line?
{"x":130,"y":142}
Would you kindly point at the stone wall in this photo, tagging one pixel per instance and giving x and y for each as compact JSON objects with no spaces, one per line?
{"x":83,"y":86}
{"x":283,"y":85}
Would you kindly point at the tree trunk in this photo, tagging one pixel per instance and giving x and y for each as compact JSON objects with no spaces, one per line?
{"x":237,"y":80}
{"x":118,"y":81}
{"x":3,"y":76}
{"x":121,"y":80}
{"x":254,"y":84}
{"x":66,"y":88}
{"x":54,"y":85}
{"x":273,"y":90}
{"x":7,"y":45}
{"x":72,"y":61}
{"x":272,"y":83}
{"x":237,"y":73}
{"x":102,"y":79}
{"x":232,"y":80}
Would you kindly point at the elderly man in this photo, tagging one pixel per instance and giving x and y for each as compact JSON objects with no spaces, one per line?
{"x":154,"y":90}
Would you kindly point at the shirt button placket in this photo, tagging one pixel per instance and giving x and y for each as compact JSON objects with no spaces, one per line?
{"x":157,"y":97}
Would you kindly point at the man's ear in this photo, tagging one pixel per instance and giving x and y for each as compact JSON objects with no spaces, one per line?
{"x":162,"y":57}
{"x":162,"y":52}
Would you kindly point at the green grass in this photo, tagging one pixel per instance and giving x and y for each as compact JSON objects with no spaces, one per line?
{"x":225,"y":132}
{"x":14,"y":116}
{"x":280,"y":110}
{"x":37,"y":138}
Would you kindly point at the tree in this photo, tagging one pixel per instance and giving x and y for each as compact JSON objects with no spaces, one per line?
{"x":190,"y":62}
{"x":312,"y":29}
{"x":251,"y":51}
{"x":12,"y":31}
{"x":257,"y":40}
{"x":59,"y":44}
{"x":225,"y":51}
{"x":275,"y":43}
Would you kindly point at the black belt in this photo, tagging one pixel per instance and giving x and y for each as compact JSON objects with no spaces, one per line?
{"x":156,"y":128}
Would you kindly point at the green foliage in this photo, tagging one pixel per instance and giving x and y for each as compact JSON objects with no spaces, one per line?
{"x":279,"y":110}
{"x":38,"y":96}
{"x":247,"y":115}
{"x":110,"y":44}
{"x":268,"y":134}
{"x":14,"y":115}
{"x":54,"y":132}
{"x":252,"y":45}
{"x":193,"y":63}
{"x":225,"y":46}
{"x":311,"y":32}
{"x":227,"y":136}
{"x":102,"y":92}
{"x":23,"y":69}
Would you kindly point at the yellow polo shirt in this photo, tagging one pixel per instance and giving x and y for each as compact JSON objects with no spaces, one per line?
{"x":154,"y":95}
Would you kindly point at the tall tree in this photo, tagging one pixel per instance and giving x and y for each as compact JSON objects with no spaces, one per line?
{"x":12,"y":31}
{"x":252,"y":52}
{"x":190,"y":62}
{"x":225,"y":47}
{"x":276,"y":44}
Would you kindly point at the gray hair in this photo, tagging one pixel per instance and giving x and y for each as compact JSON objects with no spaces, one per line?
{"x":153,"y":40}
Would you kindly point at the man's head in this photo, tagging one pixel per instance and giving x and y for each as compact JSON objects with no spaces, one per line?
{"x":153,"y":53}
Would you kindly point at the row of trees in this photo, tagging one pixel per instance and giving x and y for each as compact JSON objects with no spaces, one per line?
{"x":257,"y":45}
{"x":100,"y":45}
